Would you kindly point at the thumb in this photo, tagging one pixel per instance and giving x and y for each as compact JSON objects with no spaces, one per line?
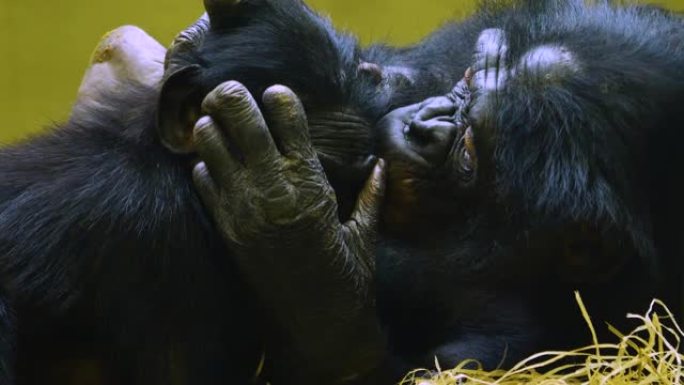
{"x":205,"y":186}
{"x":364,"y":219}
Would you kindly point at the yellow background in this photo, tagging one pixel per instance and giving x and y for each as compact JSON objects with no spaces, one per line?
{"x":45,"y":44}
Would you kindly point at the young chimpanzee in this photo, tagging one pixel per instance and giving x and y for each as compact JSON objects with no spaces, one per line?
{"x":552,"y":166}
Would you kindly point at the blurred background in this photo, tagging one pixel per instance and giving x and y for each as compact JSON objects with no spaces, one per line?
{"x":45,"y":45}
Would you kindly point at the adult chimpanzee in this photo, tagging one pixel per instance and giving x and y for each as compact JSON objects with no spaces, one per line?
{"x":107,"y":254}
{"x":547,"y":169}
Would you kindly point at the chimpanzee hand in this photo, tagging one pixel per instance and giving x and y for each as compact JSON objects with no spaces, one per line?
{"x":490,"y":71}
{"x":494,"y":72}
{"x":264,"y":185}
{"x":267,"y":180}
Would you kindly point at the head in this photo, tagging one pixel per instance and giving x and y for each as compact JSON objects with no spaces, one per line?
{"x":265,"y":42}
{"x":437,"y":161}
{"x":260,"y":43}
{"x":449,"y":201}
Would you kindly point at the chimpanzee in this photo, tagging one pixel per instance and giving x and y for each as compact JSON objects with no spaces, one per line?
{"x":108,"y":256}
{"x":544,"y":170}
{"x":551,"y":167}
{"x":471,"y":253}
{"x":107,"y":253}
{"x":547,"y":170}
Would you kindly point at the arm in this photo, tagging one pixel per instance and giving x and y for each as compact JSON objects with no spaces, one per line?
{"x":272,"y":202}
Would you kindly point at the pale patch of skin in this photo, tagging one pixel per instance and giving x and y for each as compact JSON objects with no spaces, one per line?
{"x":124,"y":56}
{"x":547,"y":63}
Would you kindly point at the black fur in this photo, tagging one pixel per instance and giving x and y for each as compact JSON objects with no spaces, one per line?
{"x":105,"y":248}
{"x":107,"y":252}
{"x":103,"y":235}
{"x":586,"y":162}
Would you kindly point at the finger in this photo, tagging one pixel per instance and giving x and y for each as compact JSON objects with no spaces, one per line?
{"x":362,"y":168}
{"x":364,"y":218}
{"x":547,"y":64}
{"x":491,"y":60}
{"x":491,"y":49}
{"x":437,"y":107}
{"x":212,"y":148}
{"x":205,"y":186}
{"x":287,"y":120}
{"x":235,"y":111}
{"x":403,"y":115}
{"x":489,"y":80}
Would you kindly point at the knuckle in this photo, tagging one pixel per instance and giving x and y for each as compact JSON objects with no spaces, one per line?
{"x":269,"y":162}
{"x":548,"y":63}
{"x":282,"y":208}
{"x":226,"y":95}
{"x":492,"y":45}
{"x":428,"y":102}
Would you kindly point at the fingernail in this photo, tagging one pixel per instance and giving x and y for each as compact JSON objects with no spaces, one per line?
{"x":203,"y":122}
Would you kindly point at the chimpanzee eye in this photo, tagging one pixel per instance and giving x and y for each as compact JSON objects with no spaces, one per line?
{"x":468,"y":153}
{"x":466,"y":161}
{"x":469,"y":142}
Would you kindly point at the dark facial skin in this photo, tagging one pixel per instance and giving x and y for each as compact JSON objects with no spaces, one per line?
{"x":467,"y":246}
{"x":500,"y":189}
{"x":431,"y":151}
{"x":440,"y":253}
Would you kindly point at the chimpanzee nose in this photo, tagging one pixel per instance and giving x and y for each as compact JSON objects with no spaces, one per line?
{"x":433,"y":129}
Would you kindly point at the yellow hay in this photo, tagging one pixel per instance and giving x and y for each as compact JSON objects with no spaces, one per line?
{"x":649,"y":355}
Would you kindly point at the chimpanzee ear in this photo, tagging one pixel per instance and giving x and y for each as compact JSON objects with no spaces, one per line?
{"x":179,"y":109}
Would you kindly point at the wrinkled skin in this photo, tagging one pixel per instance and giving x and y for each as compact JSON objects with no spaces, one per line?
{"x":453,"y":288}
{"x":306,"y":325}
{"x":293,"y":240}
{"x":432,"y":153}
{"x":463,"y":253}
{"x":498,"y":192}
{"x":300,"y":201}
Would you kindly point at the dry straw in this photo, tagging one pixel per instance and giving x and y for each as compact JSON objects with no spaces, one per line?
{"x":650,"y":354}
